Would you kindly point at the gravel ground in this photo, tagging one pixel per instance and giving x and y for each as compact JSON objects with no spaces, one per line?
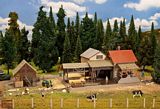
{"x":145,"y":87}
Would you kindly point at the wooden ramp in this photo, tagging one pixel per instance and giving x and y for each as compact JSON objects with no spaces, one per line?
{"x":58,"y":84}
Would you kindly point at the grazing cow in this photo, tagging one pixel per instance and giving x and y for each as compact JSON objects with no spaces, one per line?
{"x":92,"y":97}
{"x":137,"y":93}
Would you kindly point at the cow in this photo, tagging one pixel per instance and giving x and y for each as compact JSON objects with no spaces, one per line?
{"x":92,"y":97}
{"x":137,"y":93}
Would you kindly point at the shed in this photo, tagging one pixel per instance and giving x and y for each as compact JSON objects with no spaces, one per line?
{"x":80,"y":68}
{"x":92,"y":54}
{"x":124,"y":62}
{"x":25,"y":73}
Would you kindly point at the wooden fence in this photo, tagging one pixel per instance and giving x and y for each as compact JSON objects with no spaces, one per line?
{"x":136,"y":103}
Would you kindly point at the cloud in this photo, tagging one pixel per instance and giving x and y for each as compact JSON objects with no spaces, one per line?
{"x":96,"y":1}
{"x":70,"y":7}
{"x":100,"y":1}
{"x":143,"y":5}
{"x":89,"y":15}
{"x":79,"y":1}
{"x":119,"y":19}
{"x":144,"y":23}
{"x":155,"y":16}
{"x":4,"y":26}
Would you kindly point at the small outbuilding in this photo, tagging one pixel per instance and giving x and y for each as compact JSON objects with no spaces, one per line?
{"x":24,"y":74}
{"x":124,"y":62}
{"x":92,"y":54}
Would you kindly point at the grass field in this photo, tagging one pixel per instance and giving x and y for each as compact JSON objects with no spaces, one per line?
{"x":119,"y":100}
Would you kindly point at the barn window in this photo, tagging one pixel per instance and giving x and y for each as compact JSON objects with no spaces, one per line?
{"x":99,"y":57}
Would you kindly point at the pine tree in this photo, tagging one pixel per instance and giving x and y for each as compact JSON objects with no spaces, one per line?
{"x":131,"y":39}
{"x":153,"y":41}
{"x":77,"y":25}
{"x":88,"y":33}
{"x":116,"y":36}
{"x":24,"y":45}
{"x":107,"y":41}
{"x":95,"y":19}
{"x":78,"y":50}
{"x":1,"y":38}
{"x":144,"y":52}
{"x":99,"y":35}
{"x":67,"y":56}
{"x":138,"y":43}
{"x":51,"y":19}
{"x":8,"y":49}
{"x":61,"y":30}
{"x":15,"y":31}
{"x":156,"y":64}
{"x":44,"y":43}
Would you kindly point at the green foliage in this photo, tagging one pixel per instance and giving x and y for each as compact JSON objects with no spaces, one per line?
{"x":108,"y":39}
{"x":45,"y":53}
{"x":87,"y":33}
{"x":77,"y":25}
{"x":67,"y":53}
{"x":99,"y":35}
{"x":8,"y":49}
{"x":153,"y":42}
{"x":61,"y":30}
{"x":156,"y":64}
{"x":23,"y":46}
{"x":78,"y":50}
{"x":131,"y":38}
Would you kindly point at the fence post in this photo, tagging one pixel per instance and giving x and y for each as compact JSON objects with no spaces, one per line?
{"x":144,"y":103}
{"x":78,"y":103}
{"x":153,"y":102}
{"x":61,"y":102}
{"x":94,"y":103}
{"x":51,"y":105}
{"x":110,"y":103}
{"x":127,"y":103}
{"x":13,"y":103}
{"x":32,"y":103}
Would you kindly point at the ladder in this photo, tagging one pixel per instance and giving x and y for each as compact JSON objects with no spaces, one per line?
{"x":27,"y":80}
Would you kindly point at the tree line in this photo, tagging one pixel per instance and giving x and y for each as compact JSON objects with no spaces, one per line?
{"x":54,"y":42}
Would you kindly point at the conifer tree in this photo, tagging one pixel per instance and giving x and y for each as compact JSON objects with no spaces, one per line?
{"x":8,"y":49}
{"x":78,"y":50}
{"x":131,"y":39}
{"x":61,"y":30}
{"x":156,"y":64}
{"x":153,"y":42}
{"x":43,"y":43}
{"x":77,"y":25}
{"x":51,"y":19}
{"x":107,"y":41}
{"x":99,"y":35}
{"x":24,"y":45}
{"x":67,"y":56}
{"x":88,"y":33}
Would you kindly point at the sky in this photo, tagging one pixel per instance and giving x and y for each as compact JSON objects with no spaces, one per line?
{"x":144,"y":11}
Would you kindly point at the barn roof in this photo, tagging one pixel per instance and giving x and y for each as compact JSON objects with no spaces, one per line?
{"x":89,"y":53}
{"x":100,"y":63}
{"x":122,"y":56}
{"x":74,"y":65}
{"x":20,"y":65}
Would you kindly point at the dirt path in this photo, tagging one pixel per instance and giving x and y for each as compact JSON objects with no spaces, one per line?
{"x":147,"y":88}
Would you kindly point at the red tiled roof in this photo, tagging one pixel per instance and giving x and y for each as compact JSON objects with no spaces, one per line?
{"x":122,"y":56}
